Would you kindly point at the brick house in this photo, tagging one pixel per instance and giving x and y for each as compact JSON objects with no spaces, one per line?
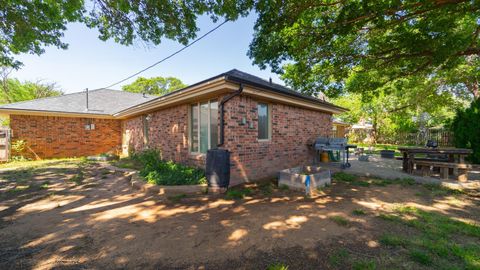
{"x":266,"y":127}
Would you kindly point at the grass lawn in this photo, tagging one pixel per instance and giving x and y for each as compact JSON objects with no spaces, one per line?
{"x":432,"y":239}
{"x":379,"y":147}
{"x":51,"y":163}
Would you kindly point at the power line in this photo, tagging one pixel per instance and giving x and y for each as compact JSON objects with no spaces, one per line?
{"x":170,"y":56}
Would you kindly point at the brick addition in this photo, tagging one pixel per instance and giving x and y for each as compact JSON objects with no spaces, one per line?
{"x":293,"y":129}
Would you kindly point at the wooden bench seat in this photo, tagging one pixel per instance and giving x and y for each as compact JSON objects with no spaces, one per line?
{"x":460,"y":169}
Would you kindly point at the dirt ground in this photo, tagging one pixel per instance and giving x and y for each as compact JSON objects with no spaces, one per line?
{"x":76,"y":215}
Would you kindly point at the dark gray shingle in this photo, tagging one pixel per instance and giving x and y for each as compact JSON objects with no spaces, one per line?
{"x":102,"y":101}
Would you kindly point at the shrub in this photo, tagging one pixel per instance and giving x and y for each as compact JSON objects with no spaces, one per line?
{"x":18,"y":149}
{"x":465,"y":127}
{"x":160,"y":172}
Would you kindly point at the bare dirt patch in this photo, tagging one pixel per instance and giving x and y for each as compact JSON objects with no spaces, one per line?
{"x":88,"y":217}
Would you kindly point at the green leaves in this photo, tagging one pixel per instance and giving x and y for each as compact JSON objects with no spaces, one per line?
{"x":466,"y":126}
{"x":322,"y":44}
{"x":12,"y":90}
{"x":29,"y":26}
{"x":154,"y":86}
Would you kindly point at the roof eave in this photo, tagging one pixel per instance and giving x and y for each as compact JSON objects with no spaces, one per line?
{"x":322,"y":105}
{"x":54,"y":113}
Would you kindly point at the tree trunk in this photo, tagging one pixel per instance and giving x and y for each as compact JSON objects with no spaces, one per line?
{"x":374,"y":129}
{"x":474,"y":88}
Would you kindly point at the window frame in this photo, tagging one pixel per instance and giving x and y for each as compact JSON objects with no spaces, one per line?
{"x":269,"y":122}
{"x":190,"y":126}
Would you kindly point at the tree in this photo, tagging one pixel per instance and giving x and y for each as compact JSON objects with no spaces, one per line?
{"x":29,"y":26}
{"x":154,"y":86}
{"x":379,"y":41}
{"x":405,"y":105}
{"x":316,"y":44}
{"x":12,"y":90}
{"x":466,"y":126}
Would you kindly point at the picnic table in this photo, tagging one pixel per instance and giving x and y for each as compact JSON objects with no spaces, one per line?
{"x":455,"y":155}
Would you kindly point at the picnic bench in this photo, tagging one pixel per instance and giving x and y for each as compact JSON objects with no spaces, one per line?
{"x":454,"y":164}
{"x":460,"y":170}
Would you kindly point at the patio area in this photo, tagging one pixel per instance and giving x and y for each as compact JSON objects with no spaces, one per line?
{"x":392,"y":169}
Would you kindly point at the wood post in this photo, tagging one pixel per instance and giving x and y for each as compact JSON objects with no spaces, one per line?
{"x":444,"y":173}
{"x":425,"y":170}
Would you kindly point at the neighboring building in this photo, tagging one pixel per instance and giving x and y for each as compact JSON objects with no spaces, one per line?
{"x":267,"y":127}
{"x":361,"y":132}
{"x":340,"y":128}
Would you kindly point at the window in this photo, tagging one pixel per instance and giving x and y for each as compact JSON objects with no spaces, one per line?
{"x":203,"y":126}
{"x":263,"y":121}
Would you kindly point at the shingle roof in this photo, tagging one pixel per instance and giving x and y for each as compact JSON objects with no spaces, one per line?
{"x":240,"y":76}
{"x":101,"y":101}
{"x":113,"y":102}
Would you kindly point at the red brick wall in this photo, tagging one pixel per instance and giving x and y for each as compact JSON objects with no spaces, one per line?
{"x":167,"y":132}
{"x":292,"y":129}
{"x":55,"y":137}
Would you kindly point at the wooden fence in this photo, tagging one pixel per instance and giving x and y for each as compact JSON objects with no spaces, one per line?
{"x":442,"y":137}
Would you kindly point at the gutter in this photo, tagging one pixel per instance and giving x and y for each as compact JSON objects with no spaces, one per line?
{"x":290,"y":93}
{"x":222,"y":113}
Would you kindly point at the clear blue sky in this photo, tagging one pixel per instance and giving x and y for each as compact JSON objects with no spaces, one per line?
{"x":90,"y":62}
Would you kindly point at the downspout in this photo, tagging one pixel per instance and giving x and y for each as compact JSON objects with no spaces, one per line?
{"x":222,"y":112}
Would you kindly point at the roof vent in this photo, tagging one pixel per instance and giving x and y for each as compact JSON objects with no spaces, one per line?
{"x":86,"y":99}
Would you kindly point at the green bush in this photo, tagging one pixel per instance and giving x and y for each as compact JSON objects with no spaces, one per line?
{"x":465,"y":127}
{"x":160,"y":172}
{"x":18,"y":149}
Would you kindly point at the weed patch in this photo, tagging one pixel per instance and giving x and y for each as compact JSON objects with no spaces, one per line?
{"x":421,"y":257}
{"x":439,"y":190}
{"x":359,"y":212}
{"x":338,"y":257}
{"x":177,"y":198}
{"x":361,"y":183}
{"x":266,"y":188}
{"x":364,"y":264}
{"x":45,"y":185}
{"x":340,"y":220}
{"x":237,"y":194}
{"x":18,"y":189}
{"x":392,"y":240}
{"x":277,"y":266}
{"x":344,"y":177}
{"x":78,"y":178}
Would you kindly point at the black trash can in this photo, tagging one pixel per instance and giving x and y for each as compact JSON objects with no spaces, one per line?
{"x":217,"y":168}
{"x":387,"y":154}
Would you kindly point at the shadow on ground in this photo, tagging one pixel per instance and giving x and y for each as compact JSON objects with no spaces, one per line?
{"x":88,"y":217}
